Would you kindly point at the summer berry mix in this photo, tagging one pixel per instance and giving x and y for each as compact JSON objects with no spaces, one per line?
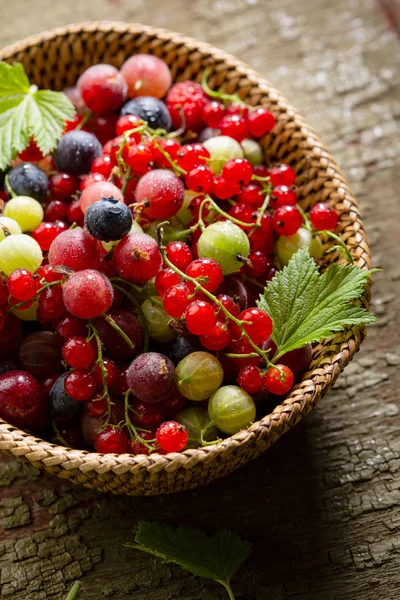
{"x":87,"y":294}
{"x":22,"y":284}
{"x":23,"y":400}
{"x":135,"y":446}
{"x":80,"y":385}
{"x":287,"y":220}
{"x":160,"y":193}
{"x":27,"y":179}
{"x":50,"y":305}
{"x":229,"y":304}
{"x":252,"y":195}
{"x":279,"y":380}
{"x":250,"y":379}
{"x":114,"y":344}
{"x":238,"y":170}
{"x":179,"y":254}
{"x":97,"y":191}
{"x":138,"y":158}
{"x":218,"y":338}
{"x":112,"y":440}
{"x":235,"y":127}
{"x":200,"y":179}
{"x":172,"y":436}
{"x":126,"y":123}
{"x":257,"y":324}
{"x":78,"y":353}
{"x":146,"y":75}
{"x":62,"y":186}
{"x":322,"y":216}
{"x":176,"y":299}
{"x":137,"y":258}
{"x":185,"y":102}
{"x":200,"y":317}
{"x":108,"y":220}
{"x":260,"y":122}
{"x":166,"y":279}
{"x":103,"y":89}
{"x":75,"y":249}
{"x":76,"y":151}
{"x":169,"y":146}
{"x":151,"y":110}
{"x":212,"y":113}
{"x":147,"y":414}
{"x":207,"y":272}
{"x":282,"y":175}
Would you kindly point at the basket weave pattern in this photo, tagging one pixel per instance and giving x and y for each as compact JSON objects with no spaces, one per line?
{"x":54,"y":60}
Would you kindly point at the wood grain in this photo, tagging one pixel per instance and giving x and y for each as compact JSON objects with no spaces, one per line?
{"x":322,"y":506}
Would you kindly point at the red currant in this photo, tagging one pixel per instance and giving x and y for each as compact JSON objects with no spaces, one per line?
{"x":80,"y":385}
{"x":126,"y":123}
{"x":207,"y":272}
{"x":55,"y":211}
{"x":213,"y":113}
{"x":49,"y":274}
{"x":96,"y":407}
{"x":238,"y":170}
{"x":230,"y":305}
{"x":74,"y":212}
{"x":31,"y":153}
{"x":172,"y":436}
{"x":88,"y":180}
{"x":200,"y":179}
{"x":111,"y":373}
{"x":243,"y":346}
{"x":257,"y":324}
{"x":282,"y":175}
{"x":112,"y":440}
{"x":218,"y":338}
{"x":147,"y":414}
{"x":176,"y":299}
{"x":166,"y":279}
{"x":250,"y":379}
{"x":22,"y":284}
{"x":260,"y":121}
{"x":235,"y":127}
{"x":244,"y":213}
{"x":279,"y":379}
{"x":169,"y":146}
{"x":192,"y":155}
{"x":136,"y":447}
{"x":260,"y":264}
{"x":224,"y":189}
{"x":103,"y":165}
{"x":287,"y":220}
{"x":51,"y":305}
{"x":78,"y":353}
{"x":252,"y":194}
{"x":70,"y":326}
{"x":138,"y":158}
{"x":45,"y":233}
{"x":63,"y":185}
{"x":283,"y":196}
{"x":179,"y":254}
{"x":200,"y":317}
{"x":322,"y":216}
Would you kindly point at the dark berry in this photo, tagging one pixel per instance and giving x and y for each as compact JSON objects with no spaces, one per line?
{"x":108,"y":220}
{"x":151,"y":110}
{"x":23,"y":400}
{"x":61,"y":404}
{"x":76,"y":151}
{"x":26,"y":179}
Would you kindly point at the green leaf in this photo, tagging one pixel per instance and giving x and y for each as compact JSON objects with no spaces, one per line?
{"x":214,"y":557}
{"x":306,"y":306}
{"x":27,"y":112}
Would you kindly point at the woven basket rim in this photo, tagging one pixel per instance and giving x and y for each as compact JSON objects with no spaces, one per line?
{"x":294,"y":406}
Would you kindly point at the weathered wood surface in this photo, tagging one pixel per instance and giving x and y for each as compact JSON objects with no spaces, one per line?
{"x":322,"y":507}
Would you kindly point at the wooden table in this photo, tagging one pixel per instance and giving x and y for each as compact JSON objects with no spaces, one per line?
{"x":322,"y":507}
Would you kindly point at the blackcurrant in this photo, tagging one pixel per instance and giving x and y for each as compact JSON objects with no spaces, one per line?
{"x":26,"y":179}
{"x":108,"y":219}
{"x":151,"y":110}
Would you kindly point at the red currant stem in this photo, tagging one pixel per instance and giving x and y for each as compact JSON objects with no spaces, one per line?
{"x":130,"y":426}
{"x":172,"y":162}
{"x":138,"y":289}
{"x":306,"y":221}
{"x":211,"y":296}
{"x":221,"y":212}
{"x":255,"y":177}
{"x":35,"y":297}
{"x":126,"y":180}
{"x":263,"y":208}
{"x":342,"y":246}
{"x":118,"y":329}
{"x":85,"y":119}
{"x":203,"y":431}
{"x":94,"y":333}
{"x":248,"y":355}
{"x":120,"y":162}
{"x":185,"y":232}
{"x":218,"y":94}
{"x":181,"y":130}
{"x":58,"y":434}
{"x":140,"y":315}
{"x":74,"y":591}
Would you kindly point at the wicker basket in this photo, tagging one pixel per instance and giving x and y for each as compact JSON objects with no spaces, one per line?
{"x":54,"y":60}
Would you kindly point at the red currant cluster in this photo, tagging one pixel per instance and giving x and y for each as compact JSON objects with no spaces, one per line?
{"x":130,"y":279}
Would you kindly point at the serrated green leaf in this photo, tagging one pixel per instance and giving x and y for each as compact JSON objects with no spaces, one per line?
{"x":306,"y":306}
{"x":214,"y":557}
{"x":26,"y":112}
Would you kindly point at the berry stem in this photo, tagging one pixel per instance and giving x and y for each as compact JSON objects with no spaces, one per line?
{"x":203,"y":431}
{"x":228,"y":588}
{"x":35,"y":297}
{"x":218,"y":94}
{"x":219,"y":210}
{"x":341,"y":247}
{"x":140,"y":315}
{"x":85,"y":119}
{"x":137,"y":289}
{"x":130,"y":426}
{"x":173,"y":163}
{"x":263,"y":208}
{"x":74,"y":591}
{"x":94,"y":333}
{"x":211,"y":296}
{"x":118,"y":329}
{"x":306,"y":221}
